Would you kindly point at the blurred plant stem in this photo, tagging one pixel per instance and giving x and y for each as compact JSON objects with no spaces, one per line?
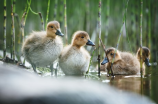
{"x":65,"y":23}
{"x":126,"y":34}
{"x":141,"y":20}
{"x":23,"y":20}
{"x":99,"y":29}
{"x":22,"y":29}
{"x":4,"y":25}
{"x":47,"y":14}
{"x":55,"y":9}
{"x":39,"y":13}
{"x":149,"y":24}
{"x":107,"y":21}
{"x":87,"y":16}
{"x":61,"y":8}
{"x":12,"y":31}
{"x":18,"y":42}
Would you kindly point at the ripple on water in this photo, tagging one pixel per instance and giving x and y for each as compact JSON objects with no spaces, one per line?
{"x":105,"y":81}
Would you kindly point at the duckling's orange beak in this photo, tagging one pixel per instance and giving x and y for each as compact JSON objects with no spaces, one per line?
{"x":90,"y":43}
{"x":147,"y":62}
{"x":58,"y":32}
{"x":105,"y":61}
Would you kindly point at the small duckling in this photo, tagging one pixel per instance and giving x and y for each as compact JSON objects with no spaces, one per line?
{"x":44,"y":47}
{"x":124,"y":62}
{"x":145,"y":56}
{"x":74,"y":59}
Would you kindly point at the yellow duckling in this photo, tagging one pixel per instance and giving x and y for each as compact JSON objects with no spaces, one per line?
{"x":44,"y":47}
{"x":124,"y":62}
{"x":145,"y":56}
{"x":74,"y":59}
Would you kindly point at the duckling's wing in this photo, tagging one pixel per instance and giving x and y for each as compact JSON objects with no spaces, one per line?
{"x":33,"y":47}
{"x":129,"y":58}
{"x":126,"y":68}
{"x":34,"y":53}
{"x":32,"y":42}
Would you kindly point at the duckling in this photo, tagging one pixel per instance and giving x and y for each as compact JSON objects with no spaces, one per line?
{"x":74,"y":59}
{"x":43,"y":47}
{"x":124,"y":62}
{"x":145,"y":56}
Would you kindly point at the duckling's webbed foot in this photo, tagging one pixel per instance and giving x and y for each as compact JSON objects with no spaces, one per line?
{"x":56,"y":72}
{"x":34,"y":67}
{"x":51,"y":67}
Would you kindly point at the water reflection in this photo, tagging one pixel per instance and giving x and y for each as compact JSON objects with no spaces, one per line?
{"x":129,"y":83}
{"x":147,"y":85}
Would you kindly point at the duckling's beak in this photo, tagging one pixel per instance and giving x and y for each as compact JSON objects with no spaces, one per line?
{"x":90,"y":43}
{"x":105,"y":61}
{"x":59,"y":33}
{"x":147,"y":62}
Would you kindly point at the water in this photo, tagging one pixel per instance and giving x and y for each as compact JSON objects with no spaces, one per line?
{"x":146,"y":85}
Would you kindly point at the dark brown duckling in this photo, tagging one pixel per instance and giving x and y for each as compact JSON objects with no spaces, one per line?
{"x":124,"y":62}
{"x":145,"y":56}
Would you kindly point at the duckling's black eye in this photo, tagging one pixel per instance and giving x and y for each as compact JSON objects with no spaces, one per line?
{"x":51,"y":26}
{"x":82,"y":36}
{"x":111,"y":54}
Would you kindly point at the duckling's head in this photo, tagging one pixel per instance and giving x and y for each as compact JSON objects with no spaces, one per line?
{"x":145,"y":55}
{"x":53,"y":29}
{"x":81,"y":38}
{"x":110,"y":54}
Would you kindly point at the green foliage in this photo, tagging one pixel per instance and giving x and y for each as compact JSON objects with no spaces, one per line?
{"x":44,"y":70}
{"x":83,"y":16}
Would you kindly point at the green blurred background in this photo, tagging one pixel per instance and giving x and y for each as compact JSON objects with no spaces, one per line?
{"x":83,"y":14}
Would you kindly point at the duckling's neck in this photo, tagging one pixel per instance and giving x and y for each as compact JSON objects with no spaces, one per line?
{"x":76,"y":46}
{"x":51,"y":35}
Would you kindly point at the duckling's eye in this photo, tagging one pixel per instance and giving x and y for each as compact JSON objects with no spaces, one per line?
{"x":111,"y":54}
{"x":51,"y":26}
{"x":82,"y":36}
